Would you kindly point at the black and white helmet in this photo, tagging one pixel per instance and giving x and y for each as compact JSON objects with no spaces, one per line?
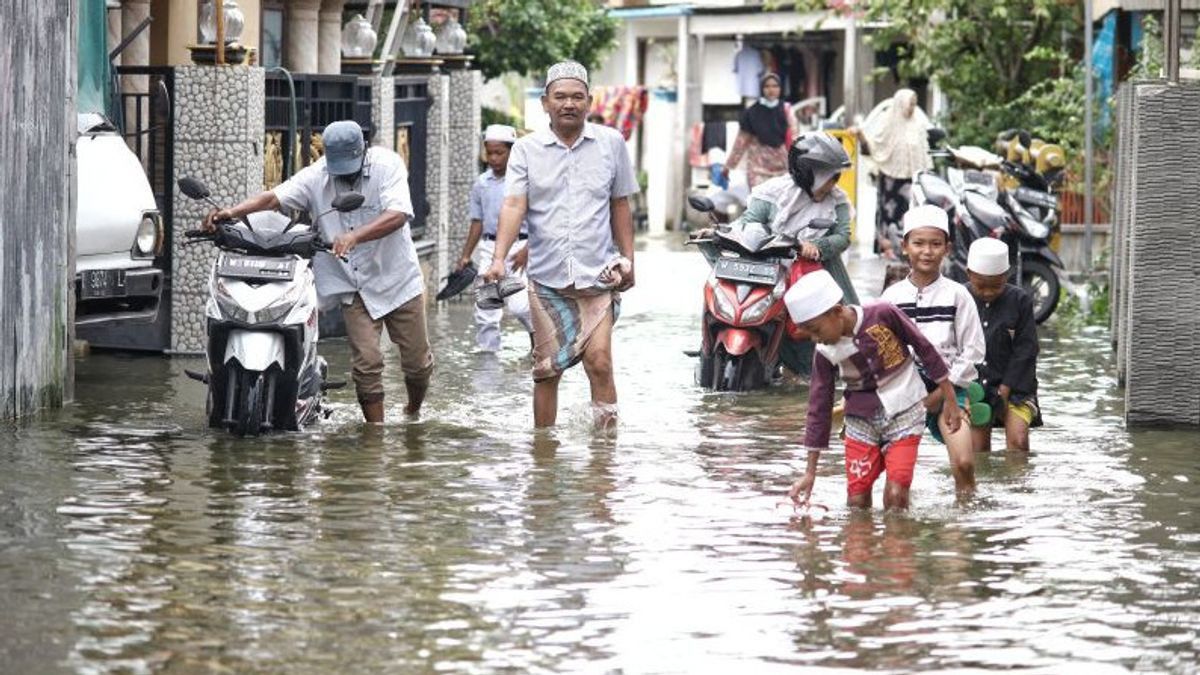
{"x":815,"y":153}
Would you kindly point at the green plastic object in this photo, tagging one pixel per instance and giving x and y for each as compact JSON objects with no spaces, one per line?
{"x":981,"y":414}
{"x":975,"y":392}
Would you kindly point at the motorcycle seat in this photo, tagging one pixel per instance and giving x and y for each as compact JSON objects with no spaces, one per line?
{"x":985,"y":211}
{"x":937,"y":191}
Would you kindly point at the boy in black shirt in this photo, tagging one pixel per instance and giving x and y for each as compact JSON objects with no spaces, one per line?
{"x":1009,"y":371}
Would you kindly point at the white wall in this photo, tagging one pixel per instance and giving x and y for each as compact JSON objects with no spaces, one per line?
{"x":718,"y":84}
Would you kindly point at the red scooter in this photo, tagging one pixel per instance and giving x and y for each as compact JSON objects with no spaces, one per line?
{"x":745,"y":321}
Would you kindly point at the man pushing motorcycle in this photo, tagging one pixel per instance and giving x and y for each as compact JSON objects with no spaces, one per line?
{"x":373,"y":272}
{"x":801,"y":204}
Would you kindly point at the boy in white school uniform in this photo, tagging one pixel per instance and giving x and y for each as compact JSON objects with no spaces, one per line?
{"x":945,"y":312}
{"x":487,"y":196}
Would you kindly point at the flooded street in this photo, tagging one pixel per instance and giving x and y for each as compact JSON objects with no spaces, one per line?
{"x":134,"y":539}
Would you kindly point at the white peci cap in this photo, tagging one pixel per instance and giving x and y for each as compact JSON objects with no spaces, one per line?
{"x":926,"y":215}
{"x":811,"y":296}
{"x":501,"y":133}
{"x":988,"y":257}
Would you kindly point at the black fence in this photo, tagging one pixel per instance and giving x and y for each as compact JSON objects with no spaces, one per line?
{"x":411,"y":119}
{"x":319,"y":100}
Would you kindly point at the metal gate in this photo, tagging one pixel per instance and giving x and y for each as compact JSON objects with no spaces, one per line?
{"x":411,"y":106}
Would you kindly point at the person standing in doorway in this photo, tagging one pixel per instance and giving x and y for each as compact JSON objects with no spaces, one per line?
{"x":373,"y":272}
{"x":571,"y":184}
{"x":763,"y":135}
{"x":487,"y":196}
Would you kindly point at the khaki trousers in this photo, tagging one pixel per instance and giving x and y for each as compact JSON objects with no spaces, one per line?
{"x":406,"y":329}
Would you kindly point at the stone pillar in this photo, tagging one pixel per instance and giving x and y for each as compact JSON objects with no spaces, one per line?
{"x":465,"y":120}
{"x":437,"y":174}
{"x":302,"y":36}
{"x":219,"y":126}
{"x":383,"y":111}
{"x":329,"y":55}
{"x":1161,"y":309}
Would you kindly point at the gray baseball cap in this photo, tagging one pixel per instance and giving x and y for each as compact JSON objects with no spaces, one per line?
{"x":344,"y":147}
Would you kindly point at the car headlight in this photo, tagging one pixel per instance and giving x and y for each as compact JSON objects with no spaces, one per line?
{"x":148,"y":236}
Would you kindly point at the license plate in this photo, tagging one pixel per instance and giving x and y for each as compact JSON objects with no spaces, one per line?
{"x":102,"y":284}
{"x":249,"y":267}
{"x":746,"y":271}
{"x":1037,"y":198}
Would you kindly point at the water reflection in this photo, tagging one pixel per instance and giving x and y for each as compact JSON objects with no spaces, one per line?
{"x":134,"y":540}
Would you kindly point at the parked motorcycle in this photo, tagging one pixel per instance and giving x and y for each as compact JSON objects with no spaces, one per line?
{"x":745,"y":321}
{"x":1024,"y":218}
{"x":264,"y":372}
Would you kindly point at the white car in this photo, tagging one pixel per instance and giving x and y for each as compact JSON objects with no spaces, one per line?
{"x":118,"y":231}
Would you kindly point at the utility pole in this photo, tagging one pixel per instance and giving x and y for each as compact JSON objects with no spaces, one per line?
{"x":1088,"y":157}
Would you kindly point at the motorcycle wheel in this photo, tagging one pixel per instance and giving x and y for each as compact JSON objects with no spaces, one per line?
{"x":719,"y":360}
{"x":252,"y":392}
{"x":747,"y":373}
{"x":1042,"y":283}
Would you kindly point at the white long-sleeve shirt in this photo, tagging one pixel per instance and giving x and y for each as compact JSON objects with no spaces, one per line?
{"x":946,"y":314}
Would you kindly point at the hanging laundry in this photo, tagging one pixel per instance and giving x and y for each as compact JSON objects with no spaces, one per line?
{"x":621,"y":107}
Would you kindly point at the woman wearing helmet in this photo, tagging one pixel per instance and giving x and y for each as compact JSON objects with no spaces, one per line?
{"x":801,"y":204}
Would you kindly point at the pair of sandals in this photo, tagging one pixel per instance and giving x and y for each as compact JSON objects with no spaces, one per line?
{"x":487,"y":296}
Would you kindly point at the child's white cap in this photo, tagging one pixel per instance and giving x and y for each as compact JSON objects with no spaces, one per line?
{"x":501,"y":133}
{"x":988,"y":257}
{"x":811,"y":296}
{"x":925,"y":215}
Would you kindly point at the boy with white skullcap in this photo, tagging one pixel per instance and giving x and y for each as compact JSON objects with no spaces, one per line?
{"x":945,"y":312}
{"x":1009,"y":371}
{"x":870,"y":346}
{"x":487,"y":196}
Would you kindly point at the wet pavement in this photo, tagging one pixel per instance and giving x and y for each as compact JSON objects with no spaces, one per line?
{"x":133,"y":539}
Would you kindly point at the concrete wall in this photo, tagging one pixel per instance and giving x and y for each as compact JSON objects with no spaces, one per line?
{"x":37,"y":205}
{"x":1156,"y":223}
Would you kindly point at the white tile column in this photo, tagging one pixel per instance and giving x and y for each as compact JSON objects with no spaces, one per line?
{"x":329,"y":55}
{"x":302,"y":36}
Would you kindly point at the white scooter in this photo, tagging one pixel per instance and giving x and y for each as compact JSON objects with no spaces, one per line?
{"x":264,"y":372}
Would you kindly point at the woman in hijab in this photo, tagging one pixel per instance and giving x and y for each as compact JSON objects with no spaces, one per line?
{"x":897,"y":141}
{"x":764,"y":135}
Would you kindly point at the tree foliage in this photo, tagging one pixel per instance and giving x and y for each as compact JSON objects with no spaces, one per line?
{"x":1002,"y":63}
{"x":528,"y":36}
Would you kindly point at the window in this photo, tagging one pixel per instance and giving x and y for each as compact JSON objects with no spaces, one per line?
{"x":271,"y":40}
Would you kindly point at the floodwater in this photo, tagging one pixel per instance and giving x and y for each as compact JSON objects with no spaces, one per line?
{"x":133,"y":539}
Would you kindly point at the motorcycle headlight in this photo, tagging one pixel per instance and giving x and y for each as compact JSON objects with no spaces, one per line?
{"x":724,"y":306}
{"x":146,"y":243}
{"x":228,"y":305}
{"x":759,"y":309}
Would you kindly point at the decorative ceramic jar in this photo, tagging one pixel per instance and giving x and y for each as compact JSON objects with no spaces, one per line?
{"x":358,"y":38}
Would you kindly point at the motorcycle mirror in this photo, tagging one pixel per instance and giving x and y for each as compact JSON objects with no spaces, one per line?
{"x":935,"y":135}
{"x":701,"y":204}
{"x":348,"y":201}
{"x":194,"y":188}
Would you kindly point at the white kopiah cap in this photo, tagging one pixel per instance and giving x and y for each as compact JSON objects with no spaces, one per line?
{"x":499,"y":132}
{"x":572,"y":70}
{"x":925,"y":215}
{"x":812,"y":295}
{"x":988,"y":257}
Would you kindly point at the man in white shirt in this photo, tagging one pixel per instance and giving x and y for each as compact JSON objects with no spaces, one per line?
{"x":379,"y":281}
{"x":571,"y":184}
